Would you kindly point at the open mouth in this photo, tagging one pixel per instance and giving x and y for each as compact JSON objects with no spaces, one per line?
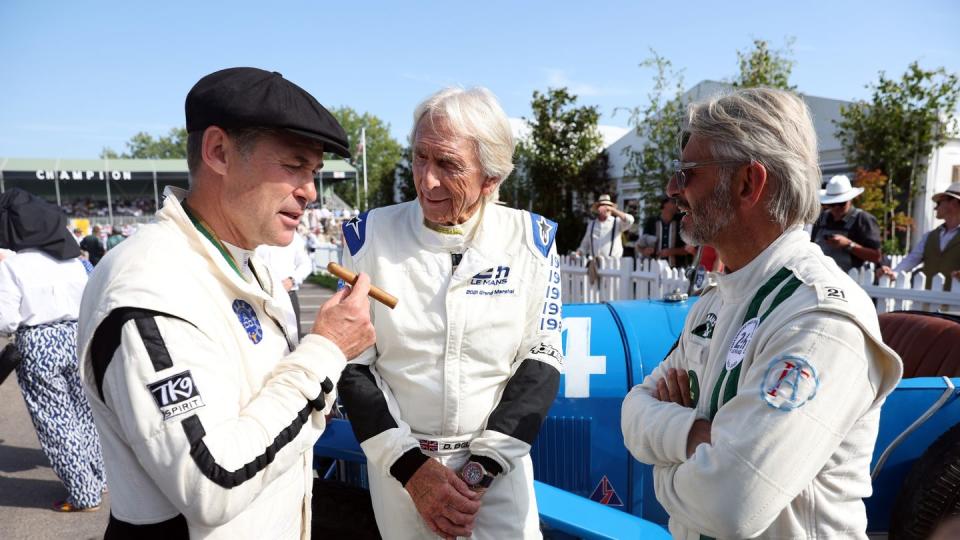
{"x":292,"y":216}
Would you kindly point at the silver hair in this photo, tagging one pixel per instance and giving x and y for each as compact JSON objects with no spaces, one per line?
{"x":476,"y":114}
{"x":773,"y":127}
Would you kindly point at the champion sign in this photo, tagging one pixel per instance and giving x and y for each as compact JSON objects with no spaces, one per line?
{"x":176,"y":395}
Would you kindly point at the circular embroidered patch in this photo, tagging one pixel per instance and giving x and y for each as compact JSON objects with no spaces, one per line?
{"x":789,"y":383}
{"x":248,"y":318}
{"x":738,"y":347}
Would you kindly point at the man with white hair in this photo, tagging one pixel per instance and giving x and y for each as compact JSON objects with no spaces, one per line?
{"x":846,"y":234}
{"x":761,"y":421}
{"x":448,"y":404}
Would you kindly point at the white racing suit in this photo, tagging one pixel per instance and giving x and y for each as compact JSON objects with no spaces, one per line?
{"x":465,"y":367}
{"x":206,"y":406}
{"x":785,"y":358}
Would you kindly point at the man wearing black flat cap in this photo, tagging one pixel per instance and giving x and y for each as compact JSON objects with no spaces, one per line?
{"x":207,"y":400}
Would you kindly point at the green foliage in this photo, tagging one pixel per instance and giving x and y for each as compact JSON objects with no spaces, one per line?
{"x":324,"y":280}
{"x":559,"y":163}
{"x":144,"y":146}
{"x":657,"y":124}
{"x":764,"y":67}
{"x":383,"y":154}
{"x":896,"y":131}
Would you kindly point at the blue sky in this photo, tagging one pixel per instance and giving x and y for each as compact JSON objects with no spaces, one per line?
{"x":79,"y":76}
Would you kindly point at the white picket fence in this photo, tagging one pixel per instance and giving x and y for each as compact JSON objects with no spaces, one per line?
{"x":325,"y":253}
{"x":618,"y":279}
{"x":625,"y":279}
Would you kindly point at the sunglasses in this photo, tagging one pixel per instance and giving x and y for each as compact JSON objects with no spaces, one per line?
{"x":680,"y":168}
{"x":834,"y":205}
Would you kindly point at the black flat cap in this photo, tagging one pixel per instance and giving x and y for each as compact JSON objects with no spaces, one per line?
{"x":249,"y":97}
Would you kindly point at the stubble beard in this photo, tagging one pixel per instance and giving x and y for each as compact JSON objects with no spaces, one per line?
{"x":708,"y":221}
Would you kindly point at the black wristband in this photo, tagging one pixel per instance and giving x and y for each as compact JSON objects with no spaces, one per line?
{"x":403,"y":468}
{"x":489,"y":464}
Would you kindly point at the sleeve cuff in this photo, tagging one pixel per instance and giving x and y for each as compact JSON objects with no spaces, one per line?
{"x":325,"y":356}
{"x":407,"y":465}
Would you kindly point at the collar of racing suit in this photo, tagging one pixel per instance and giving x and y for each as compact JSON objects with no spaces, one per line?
{"x":735,"y":286}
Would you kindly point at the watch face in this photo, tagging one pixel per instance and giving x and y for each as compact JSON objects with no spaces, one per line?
{"x":472,"y":473}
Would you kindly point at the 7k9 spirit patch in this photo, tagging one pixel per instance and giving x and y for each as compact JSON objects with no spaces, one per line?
{"x":176,"y":395}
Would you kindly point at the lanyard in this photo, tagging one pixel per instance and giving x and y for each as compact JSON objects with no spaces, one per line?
{"x":209,"y":234}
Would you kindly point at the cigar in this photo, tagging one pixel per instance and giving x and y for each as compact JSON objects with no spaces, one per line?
{"x":376,"y":293}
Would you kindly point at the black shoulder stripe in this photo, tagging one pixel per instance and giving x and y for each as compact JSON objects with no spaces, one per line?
{"x":525,"y":401}
{"x":201,"y":455}
{"x":174,"y":528}
{"x":153,"y":341}
{"x":364,"y":402}
{"x":106,"y":339}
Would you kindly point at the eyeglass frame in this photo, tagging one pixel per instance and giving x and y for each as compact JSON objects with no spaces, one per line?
{"x":680,"y":166}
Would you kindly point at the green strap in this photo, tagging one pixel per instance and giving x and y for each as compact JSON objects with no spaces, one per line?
{"x":733,"y":383}
{"x":212,"y":238}
{"x":752,"y":311}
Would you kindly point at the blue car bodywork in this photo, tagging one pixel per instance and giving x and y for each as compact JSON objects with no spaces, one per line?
{"x":581,"y":465}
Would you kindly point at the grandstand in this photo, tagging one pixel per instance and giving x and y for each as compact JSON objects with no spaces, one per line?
{"x":120,"y":191}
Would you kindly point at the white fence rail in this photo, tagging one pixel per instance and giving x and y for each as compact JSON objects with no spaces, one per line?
{"x":625,"y":279}
{"x":323,"y":254}
{"x":618,"y":279}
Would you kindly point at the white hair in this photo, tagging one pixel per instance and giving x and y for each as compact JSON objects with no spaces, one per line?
{"x":772,"y":127}
{"x":475,"y":114}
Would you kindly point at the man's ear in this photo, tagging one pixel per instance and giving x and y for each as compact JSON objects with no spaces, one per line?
{"x":213,"y":149}
{"x":489,"y":185}
{"x":753,"y":184}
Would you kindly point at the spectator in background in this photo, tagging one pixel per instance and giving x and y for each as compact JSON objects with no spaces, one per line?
{"x":114,"y":238}
{"x":40,"y":291}
{"x":78,"y":234}
{"x":604,"y":233}
{"x":845,"y":233}
{"x":939,"y":250}
{"x":660,"y":237}
{"x":290,"y":265}
{"x":94,"y":246}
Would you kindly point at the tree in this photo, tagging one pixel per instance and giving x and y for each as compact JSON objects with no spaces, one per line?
{"x":896,"y":131}
{"x":383,"y":155}
{"x":657,"y":124}
{"x":144,"y":146}
{"x":558,"y":163}
{"x":873,"y":200}
{"x":765,"y":67}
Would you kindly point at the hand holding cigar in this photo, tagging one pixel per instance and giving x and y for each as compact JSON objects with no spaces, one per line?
{"x":376,"y":293}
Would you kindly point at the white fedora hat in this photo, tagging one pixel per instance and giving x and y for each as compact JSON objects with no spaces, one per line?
{"x":952,"y":191}
{"x":603,"y":200}
{"x":838,"y":190}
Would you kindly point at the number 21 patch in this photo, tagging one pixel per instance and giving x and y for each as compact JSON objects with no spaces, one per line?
{"x":176,"y":395}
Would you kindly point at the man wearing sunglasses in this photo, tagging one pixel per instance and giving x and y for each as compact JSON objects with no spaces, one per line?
{"x":761,"y":421}
{"x":845,"y":233}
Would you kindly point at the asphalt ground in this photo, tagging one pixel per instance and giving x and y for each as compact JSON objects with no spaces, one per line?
{"x":28,"y":486}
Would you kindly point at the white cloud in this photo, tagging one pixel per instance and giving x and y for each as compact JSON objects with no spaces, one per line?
{"x":557,"y":78}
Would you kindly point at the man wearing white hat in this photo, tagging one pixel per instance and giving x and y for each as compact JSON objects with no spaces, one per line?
{"x":939,"y":250}
{"x":845,"y":233}
{"x":603,"y":236}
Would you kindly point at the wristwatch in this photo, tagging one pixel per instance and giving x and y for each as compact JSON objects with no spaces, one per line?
{"x":475,"y":475}
{"x":850,"y":246}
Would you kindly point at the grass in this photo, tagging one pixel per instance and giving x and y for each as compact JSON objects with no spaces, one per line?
{"x":324,"y":280}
